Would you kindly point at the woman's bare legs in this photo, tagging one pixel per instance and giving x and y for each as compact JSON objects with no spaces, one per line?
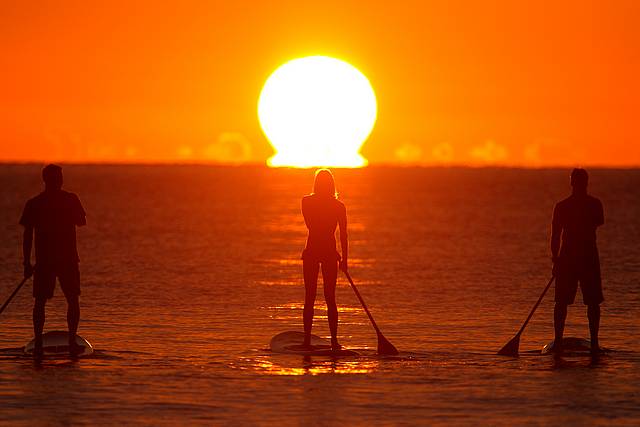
{"x":310,"y":273}
{"x":329,"y":279}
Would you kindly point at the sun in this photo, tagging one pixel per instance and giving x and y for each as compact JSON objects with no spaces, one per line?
{"x":317,"y":111}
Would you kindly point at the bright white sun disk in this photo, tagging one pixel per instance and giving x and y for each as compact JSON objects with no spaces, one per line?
{"x":317,"y":111}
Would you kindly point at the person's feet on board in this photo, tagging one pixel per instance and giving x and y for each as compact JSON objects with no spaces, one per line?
{"x":38,"y":351}
{"x":557,"y":350}
{"x":74,"y":349}
{"x":335,"y":345}
{"x":595,"y":350}
{"x":306,"y":344}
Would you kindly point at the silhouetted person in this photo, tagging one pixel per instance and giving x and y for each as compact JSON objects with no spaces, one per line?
{"x":575,"y":219}
{"x":53,"y":215}
{"x":323,"y":212}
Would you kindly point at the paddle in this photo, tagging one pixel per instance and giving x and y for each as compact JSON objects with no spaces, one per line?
{"x":384,"y":346}
{"x":13,"y":295}
{"x":511,"y":348}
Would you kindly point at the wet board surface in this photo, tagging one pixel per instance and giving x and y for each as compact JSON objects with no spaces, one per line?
{"x":290,"y":342}
{"x":571,"y":346}
{"x":56,"y":344}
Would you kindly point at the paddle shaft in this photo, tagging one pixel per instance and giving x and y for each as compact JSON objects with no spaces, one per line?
{"x":533,"y":310}
{"x":13,"y":294}
{"x":364,"y":305}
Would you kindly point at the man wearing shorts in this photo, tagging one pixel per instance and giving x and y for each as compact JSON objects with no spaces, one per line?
{"x":53,"y":215}
{"x":575,"y":220}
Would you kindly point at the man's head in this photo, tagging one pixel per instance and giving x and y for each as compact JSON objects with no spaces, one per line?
{"x":52,"y":177}
{"x":579,"y":179}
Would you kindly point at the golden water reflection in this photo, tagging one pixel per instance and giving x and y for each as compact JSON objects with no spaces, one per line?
{"x":318,"y":306}
{"x":289,"y":311}
{"x":313,"y":366}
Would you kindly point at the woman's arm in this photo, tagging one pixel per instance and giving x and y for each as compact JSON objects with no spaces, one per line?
{"x":344,"y":239}
{"x":27,"y":241}
{"x":304,"y":213}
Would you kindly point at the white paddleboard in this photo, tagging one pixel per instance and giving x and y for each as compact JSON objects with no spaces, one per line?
{"x":571,"y":346}
{"x":56,"y":343}
{"x":290,"y":342}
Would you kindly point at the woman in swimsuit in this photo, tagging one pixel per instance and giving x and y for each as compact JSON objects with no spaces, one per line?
{"x":323,"y":212}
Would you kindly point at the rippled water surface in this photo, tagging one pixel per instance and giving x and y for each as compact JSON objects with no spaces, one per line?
{"x":189,"y":271}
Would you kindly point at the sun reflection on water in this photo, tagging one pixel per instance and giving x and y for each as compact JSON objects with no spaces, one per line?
{"x":310,"y":366}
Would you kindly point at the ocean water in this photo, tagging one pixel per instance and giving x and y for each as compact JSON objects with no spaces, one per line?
{"x":188,"y":271}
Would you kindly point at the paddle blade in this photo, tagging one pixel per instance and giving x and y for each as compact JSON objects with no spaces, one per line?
{"x":385,"y":347}
{"x":511,"y":348}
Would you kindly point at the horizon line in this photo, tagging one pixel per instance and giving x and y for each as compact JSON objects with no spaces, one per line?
{"x":370,"y":165}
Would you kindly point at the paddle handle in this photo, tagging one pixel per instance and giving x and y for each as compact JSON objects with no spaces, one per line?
{"x":13,"y":295}
{"x":533,"y":310}
{"x":364,"y":305}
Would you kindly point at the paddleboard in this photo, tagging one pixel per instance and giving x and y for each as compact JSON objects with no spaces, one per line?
{"x":56,"y":343}
{"x":571,"y":346}
{"x":290,"y":342}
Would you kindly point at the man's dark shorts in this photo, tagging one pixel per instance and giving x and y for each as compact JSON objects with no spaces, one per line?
{"x":44,"y":280}
{"x":583,"y":270}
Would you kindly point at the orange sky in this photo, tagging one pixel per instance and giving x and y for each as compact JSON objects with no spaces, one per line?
{"x":457,"y":82}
